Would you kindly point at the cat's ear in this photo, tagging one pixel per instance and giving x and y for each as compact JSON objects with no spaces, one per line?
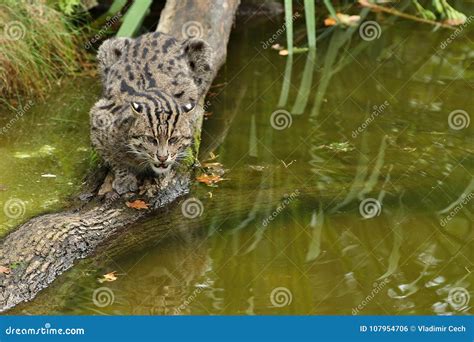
{"x":198,"y":55}
{"x":110,"y":52}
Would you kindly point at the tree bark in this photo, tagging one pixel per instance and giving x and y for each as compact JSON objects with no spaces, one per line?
{"x":38,"y":251}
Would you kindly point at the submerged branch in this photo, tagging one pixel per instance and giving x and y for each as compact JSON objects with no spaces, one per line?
{"x":393,"y":11}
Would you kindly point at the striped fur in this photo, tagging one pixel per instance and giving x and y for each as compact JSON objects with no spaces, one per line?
{"x":151,"y":86}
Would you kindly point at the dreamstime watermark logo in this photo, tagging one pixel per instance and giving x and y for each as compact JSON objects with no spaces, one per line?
{"x":102,"y":121}
{"x":456,"y":33}
{"x":280,"y":297}
{"x":281,"y":207}
{"x":270,"y":41}
{"x":14,"y":208}
{"x":18,"y":115}
{"x":458,"y":119}
{"x":47,"y":329}
{"x":102,"y":297}
{"x":466,"y":199}
{"x":14,"y":30}
{"x":206,"y":105}
{"x":370,"y":30}
{"x":281,"y":119}
{"x":369,"y":208}
{"x":377,"y":110}
{"x":103,"y":31}
{"x":191,"y":298}
{"x":192,"y":208}
{"x":458,"y":298}
{"x":192,"y":29}
{"x":376,"y":288}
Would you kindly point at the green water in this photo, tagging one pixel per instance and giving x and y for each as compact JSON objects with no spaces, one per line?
{"x":45,"y":151}
{"x":286,"y":233}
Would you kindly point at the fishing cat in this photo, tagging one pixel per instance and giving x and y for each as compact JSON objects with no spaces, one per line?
{"x":151,"y":86}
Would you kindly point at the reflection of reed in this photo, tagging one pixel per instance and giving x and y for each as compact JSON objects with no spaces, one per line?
{"x":306,"y":84}
{"x":345,"y":255}
{"x":285,"y":89}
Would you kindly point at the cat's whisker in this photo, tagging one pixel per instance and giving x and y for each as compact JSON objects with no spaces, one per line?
{"x":137,"y":95}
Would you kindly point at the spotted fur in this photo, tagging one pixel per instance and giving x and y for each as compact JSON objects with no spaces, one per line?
{"x":151,"y":86}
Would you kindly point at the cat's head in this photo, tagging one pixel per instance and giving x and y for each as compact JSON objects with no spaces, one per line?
{"x":153,"y":99}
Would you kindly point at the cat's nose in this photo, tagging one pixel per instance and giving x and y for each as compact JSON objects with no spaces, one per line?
{"x":162,"y":158}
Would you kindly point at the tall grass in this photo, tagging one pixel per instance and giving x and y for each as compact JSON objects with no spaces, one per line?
{"x":310,"y":22}
{"x":134,"y":18}
{"x":289,"y":25}
{"x":310,"y":14}
{"x":37,"y":47}
{"x":331,"y":9}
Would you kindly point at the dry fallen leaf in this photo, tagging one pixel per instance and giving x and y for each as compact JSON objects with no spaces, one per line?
{"x":344,"y":19}
{"x":455,"y":21}
{"x":214,"y":168}
{"x":283,"y":52}
{"x":112,"y":276}
{"x":209,"y":179}
{"x":214,"y":165}
{"x":258,"y":168}
{"x":106,"y":187}
{"x":277,"y":47}
{"x":330,"y":21}
{"x":4,"y":270}
{"x":212,"y":156}
{"x":137,"y":204}
{"x":213,"y":171}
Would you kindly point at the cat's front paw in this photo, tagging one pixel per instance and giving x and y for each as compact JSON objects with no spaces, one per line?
{"x":124,"y":182}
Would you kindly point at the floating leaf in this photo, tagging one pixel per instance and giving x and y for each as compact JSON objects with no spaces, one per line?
{"x":212,"y":156}
{"x":112,"y":276}
{"x":22,"y":155}
{"x":212,"y":165}
{"x":258,"y":168}
{"x":330,"y":21}
{"x":344,"y":146}
{"x":137,"y":204}
{"x":214,"y":168}
{"x":344,"y":19}
{"x":209,"y":179}
{"x":277,"y":47}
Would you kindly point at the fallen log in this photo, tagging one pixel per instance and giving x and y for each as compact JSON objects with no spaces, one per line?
{"x":46,"y":246}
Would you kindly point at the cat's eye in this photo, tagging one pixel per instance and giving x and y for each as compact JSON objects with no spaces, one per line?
{"x":173,"y":140}
{"x":188,"y":107}
{"x":151,"y":140}
{"x":137,"y":108}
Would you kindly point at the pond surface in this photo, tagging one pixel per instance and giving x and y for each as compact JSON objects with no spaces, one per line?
{"x":44,"y":151}
{"x":358,"y":202}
